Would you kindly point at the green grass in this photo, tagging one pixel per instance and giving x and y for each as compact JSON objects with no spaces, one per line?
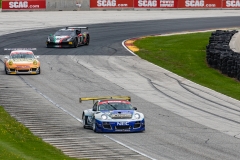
{"x":17,"y":142}
{"x":185,"y":55}
{"x":0,"y":3}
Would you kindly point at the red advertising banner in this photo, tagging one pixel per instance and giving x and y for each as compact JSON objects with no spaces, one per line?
{"x":155,"y":3}
{"x":231,"y":4}
{"x":164,"y":3}
{"x":199,"y":4}
{"x":111,"y":3}
{"x":23,"y":4}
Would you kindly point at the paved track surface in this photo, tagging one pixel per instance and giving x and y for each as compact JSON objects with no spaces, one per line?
{"x":183,"y":120}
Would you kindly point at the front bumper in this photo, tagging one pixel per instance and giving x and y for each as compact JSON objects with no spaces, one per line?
{"x":60,"y":45}
{"x":122,"y":126}
{"x":22,"y":71}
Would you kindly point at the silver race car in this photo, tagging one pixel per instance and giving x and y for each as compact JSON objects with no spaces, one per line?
{"x":112,"y":114}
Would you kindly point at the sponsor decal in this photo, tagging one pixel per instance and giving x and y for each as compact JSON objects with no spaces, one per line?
{"x":166,"y":3}
{"x":18,"y":4}
{"x":194,"y":3}
{"x":199,"y":4}
{"x":111,"y":3}
{"x":23,"y":4}
{"x":147,"y":3}
{"x":122,"y":123}
{"x":210,"y":5}
{"x":232,"y":3}
{"x":106,"y":3}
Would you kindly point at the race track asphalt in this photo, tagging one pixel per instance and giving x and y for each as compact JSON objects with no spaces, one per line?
{"x":183,"y":120}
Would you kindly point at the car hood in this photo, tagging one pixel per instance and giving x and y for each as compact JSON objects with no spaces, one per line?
{"x":119,"y":113}
{"x":58,"y":38}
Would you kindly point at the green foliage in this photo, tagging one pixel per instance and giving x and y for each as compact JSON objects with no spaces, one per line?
{"x":0,"y":3}
{"x":17,"y":142}
{"x":185,"y":55}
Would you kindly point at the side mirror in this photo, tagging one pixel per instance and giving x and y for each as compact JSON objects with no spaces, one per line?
{"x":94,"y":109}
{"x":36,"y":56}
{"x":50,"y":34}
{"x":135,"y":108}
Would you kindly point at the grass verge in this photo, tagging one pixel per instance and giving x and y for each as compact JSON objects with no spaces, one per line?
{"x":185,"y":55}
{"x":17,"y":142}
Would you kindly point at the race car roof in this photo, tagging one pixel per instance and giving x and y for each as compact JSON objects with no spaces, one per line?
{"x":113,"y":101}
{"x":21,"y":51}
{"x":73,"y":28}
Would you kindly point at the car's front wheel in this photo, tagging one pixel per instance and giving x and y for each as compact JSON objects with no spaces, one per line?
{"x":84,"y":120}
{"x":39,"y":70}
{"x":6,"y":72}
{"x":94,"y":125}
{"x":75,"y":43}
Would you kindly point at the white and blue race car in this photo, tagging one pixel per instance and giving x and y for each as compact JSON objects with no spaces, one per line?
{"x":112,"y":114}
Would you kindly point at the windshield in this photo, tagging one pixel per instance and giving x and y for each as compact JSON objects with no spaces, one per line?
{"x":64,"y":33}
{"x":115,"y":106}
{"x":22,"y":55}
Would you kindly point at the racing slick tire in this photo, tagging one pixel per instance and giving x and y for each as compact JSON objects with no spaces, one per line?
{"x":94,"y":125}
{"x":84,"y":120}
{"x":5,"y":70}
{"x":87,"y":41}
{"x":75,"y":43}
{"x":39,"y":71}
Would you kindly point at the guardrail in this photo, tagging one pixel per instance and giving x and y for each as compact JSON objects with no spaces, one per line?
{"x":220,"y":56}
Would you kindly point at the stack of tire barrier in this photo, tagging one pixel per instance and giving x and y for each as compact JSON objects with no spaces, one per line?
{"x":220,"y":56}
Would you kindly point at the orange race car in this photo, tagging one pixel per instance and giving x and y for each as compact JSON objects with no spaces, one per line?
{"x":22,"y":61}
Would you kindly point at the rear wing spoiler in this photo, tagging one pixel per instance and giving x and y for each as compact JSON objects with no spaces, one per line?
{"x":14,"y":49}
{"x":77,"y":28}
{"x":105,"y":97}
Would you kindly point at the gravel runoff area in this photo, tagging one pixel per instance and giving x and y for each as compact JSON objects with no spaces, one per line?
{"x":12,"y":22}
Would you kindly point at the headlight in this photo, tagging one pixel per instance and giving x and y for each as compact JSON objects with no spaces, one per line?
{"x":69,"y":39}
{"x":10,"y":62}
{"x":137,"y":116}
{"x":35,"y":62}
{"x":104,"y":116}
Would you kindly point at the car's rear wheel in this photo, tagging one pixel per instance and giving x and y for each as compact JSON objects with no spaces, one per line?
{"x":88,"y":40}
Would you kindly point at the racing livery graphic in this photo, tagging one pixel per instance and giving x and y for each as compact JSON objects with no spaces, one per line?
{"x":112,"y":114}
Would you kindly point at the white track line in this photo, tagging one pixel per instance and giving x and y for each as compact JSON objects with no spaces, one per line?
{"x":129,"y":147}
{"x":46,"y":97}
